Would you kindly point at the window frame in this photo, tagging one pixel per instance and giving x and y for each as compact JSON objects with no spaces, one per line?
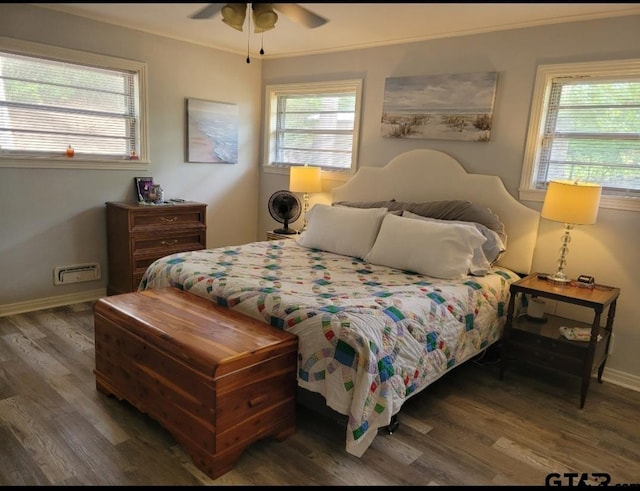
{"x":272,"y":91}
{"x":545,"y":75}
{"x":27,"y":48}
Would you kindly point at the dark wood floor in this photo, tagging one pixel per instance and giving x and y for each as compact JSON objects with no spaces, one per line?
{"x":468,"y":428}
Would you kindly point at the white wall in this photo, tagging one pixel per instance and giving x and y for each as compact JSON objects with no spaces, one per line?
{"x":57,"y":217}
{"x":607,"y":250}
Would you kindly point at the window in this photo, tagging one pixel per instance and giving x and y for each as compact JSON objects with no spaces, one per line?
{"x":585,"y":125}
{"x":315,"y":124}
{"x":54,"y":98}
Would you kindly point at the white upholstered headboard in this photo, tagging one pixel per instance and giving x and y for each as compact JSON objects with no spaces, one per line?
{"x":430,"y":175}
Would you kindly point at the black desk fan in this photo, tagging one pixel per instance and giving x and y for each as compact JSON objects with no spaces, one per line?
{"x":284,"y":207}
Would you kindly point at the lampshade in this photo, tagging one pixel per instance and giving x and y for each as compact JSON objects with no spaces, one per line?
{"x":264,"y":18}
{"x":572,"y":202}
{"x":305,"y":179}
{"x":233,"y":14}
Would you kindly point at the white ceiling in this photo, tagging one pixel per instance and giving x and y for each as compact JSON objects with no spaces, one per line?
{"x":350,"y":26}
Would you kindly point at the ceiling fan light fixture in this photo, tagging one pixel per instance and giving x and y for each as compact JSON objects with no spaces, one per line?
{"x":264,"y":17}
{"x":234,"y":14}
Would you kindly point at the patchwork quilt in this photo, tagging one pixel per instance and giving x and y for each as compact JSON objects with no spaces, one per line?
{"x":369,"y":336}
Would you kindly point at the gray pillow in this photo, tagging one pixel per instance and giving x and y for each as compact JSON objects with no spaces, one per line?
{"x":444,"y":210}
{"x":391,"y":205}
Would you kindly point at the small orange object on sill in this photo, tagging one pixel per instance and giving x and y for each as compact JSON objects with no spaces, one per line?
{"x":70,"y":151}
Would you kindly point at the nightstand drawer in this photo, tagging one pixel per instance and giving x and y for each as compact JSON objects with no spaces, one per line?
{"x":549,"y":358}
{"x":559,"y":345}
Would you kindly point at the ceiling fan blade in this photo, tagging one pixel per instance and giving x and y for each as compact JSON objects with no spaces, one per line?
{"x":299,"y":14}
{"x":207,"y":12}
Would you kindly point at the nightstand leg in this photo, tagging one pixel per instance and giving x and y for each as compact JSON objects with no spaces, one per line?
{"x":505,"y":334}
{"x":583,"y":393}
{"x":610,"y":316}
{"x":588,"y":363}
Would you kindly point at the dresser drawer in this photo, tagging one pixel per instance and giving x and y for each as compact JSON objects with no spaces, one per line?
{"x":167,"y":218}
{"x":142,"y":261}
{"x":167,"y":243}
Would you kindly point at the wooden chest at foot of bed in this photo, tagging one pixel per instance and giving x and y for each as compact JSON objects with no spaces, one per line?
{"x":217,"y":380}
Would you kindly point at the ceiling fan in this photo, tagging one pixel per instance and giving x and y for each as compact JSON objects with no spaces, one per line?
{"x":264,"y":14}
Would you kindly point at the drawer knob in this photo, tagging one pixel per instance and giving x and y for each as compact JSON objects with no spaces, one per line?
{"x":168,"y":219}
{"x":169,"y":242}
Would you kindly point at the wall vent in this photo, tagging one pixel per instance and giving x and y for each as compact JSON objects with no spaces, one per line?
{"x":75,"y":273}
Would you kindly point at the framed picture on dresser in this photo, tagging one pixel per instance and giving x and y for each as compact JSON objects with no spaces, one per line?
{"x":142,"y":186}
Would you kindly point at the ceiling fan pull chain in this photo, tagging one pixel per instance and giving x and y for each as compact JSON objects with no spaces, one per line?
{"x":248,"y":6}
{"x":248,"y":39}
{"x":262,"y":43}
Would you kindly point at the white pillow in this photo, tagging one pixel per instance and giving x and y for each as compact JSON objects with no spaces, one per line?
{"x":484,"y":257}
{"x":426,"y":247}
{"x":343,"y":230}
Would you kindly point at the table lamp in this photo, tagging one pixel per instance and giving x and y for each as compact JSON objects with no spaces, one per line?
{"x":305,"y":179}
{"x":573,"y":203}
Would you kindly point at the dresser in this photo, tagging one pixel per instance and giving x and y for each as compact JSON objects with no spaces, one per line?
{"x":138,"y":234}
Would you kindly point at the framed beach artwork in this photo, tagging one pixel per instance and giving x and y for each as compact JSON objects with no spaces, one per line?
{"x":212,"y":132}
{"x":455,"y":106}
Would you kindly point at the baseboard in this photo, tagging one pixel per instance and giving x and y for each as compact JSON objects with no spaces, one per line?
{"x":623,"y":379}
{"x":50,"y":302}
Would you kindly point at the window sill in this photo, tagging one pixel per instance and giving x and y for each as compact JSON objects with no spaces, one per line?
{"x":611,"y":202}
{"x":74,"y":163}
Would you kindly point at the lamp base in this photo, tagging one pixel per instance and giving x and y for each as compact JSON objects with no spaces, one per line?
{"x":559,"y":279}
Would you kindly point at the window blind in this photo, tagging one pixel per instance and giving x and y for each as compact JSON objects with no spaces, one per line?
{"x":592,"y":134}
{"x":47,"y":105}
{"x":316,"y":129}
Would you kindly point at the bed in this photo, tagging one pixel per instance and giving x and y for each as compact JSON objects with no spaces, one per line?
{"x":374,"y":327}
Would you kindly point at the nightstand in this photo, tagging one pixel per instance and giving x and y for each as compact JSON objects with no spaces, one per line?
{"x":272,"y":235}
{"x":538,"y":342}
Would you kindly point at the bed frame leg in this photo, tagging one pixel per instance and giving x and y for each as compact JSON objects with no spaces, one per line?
{"x":393,"y":426}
